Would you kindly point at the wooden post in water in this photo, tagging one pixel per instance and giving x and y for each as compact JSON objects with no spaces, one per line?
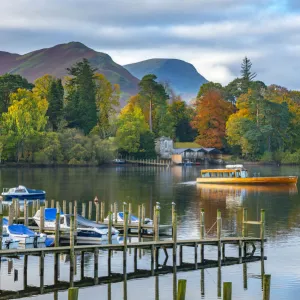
{"x":157,"y":213}
{"x":109,"y":227}
{"x":97,"y":212}
{"x":181,"y":289}
{"x":33,"y":207}
{"x":96,"y":261}
{"x":42,"y":268}
{"x":71,"y":211}
{"x":245,"y":277}
{"x":125,"y":245}
{"x":1,"y":228}
{"x":57,"y":206}
{"x":90,"y":209}
{"x":57,"y":227}
{"x":25,"y":271}
{"x":42,"y":219}
{"x":56,"y":267}
{"x":64,"y":206}
{"x":75,"y":215}
{"x":245,"y":228}
{"x":52,"y":203}
{"x":219,"y":229}
{"x":73,"y":293}
{"x":129,"y":212}
{"x":17,"y":210}
{"x":140,"y":222}
{"x":102,"y":217}
{"x":266,"y":288}
{"x":83,"y":210}
{"x":46,"y":204}
{"x":10,"y":215}
{"x":202,"y":233}
{"x":38,"y":204}
{"x":25,"y":213}
{"x":227,"y":291}
{"x":174,"y":236}
{"x":115,"y":213}
{"x":72,"y":253}
{"x":262,"y":230}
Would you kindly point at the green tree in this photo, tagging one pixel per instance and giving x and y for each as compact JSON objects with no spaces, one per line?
{"x":26,"y":117}
{"x":247,"y":74}
{"x":10,"y":84}
{"x":81,"y":110}
{"x":209,"y":86}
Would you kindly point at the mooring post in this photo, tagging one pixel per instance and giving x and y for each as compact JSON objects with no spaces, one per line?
{"x":33,"y":207}
{"x":73,"y":293}
{"x":64,"y":206}
{"x":110,"y":227}
{"x":227,"y":290}
{"x":173,"y":211}
{"x":57,"y":227}
{"x":46,"y":204}
{"x":219,"y":283}
{"x":202,"y":233}
{"x":115,"y":213}
{"x":140,"y":222}
{"x":219,"y":229}
{"x":125,"y":244}
{"x":38,"y":204}
{"x":202,"y":283}
{"x":1,"y":229}
{"x":90,"y":209}
{"x":124,"y":208}
{"x":144,"y":213}
{"x":102,"y":211}
{"x":52,"y":203}
{"x":25,"y":271}
{"x":157,"y":219}
{"x":42,"y":263}
{"x":17,"y":210}
{"x":25,"y":213}
{"x":262,"y":230}
{"x":70,"y":208}
{"x":97,"y":212}
{"x":96,"y":262}
{"x":56,"y":267}
{"x":245,"y":229}
{"x":75,"y":216}
{"x":10,"y":215}
{"x":42,"y":219}
{"x":81,"y":265}
{"x":174,"y":236}
{"x":129,"y":212}
{"x":72,"y":253}
{"x":181,"y":289}
{"x":266,"y":288}
{"x":58,"y":207}
{"x":245,"y":276}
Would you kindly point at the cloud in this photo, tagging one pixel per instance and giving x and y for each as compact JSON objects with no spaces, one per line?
{"x":214,"y":35}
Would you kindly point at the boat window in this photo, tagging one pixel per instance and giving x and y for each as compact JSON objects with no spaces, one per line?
{"x":20,"y":191}
{"x":238,"y":174}
{"x":62,"y":220}
{"x":244,"y":174}
{"x":225,"y":174}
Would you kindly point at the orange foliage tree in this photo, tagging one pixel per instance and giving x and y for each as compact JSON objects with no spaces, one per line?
{"x":211,"y":114}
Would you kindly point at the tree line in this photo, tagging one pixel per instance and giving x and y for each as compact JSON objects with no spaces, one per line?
{"x":79,"y":120}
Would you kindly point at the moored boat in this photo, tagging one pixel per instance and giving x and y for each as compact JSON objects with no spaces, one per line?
{"x":237,"y":174}
{"x":21,"y":193}
{"x":119,"y":161}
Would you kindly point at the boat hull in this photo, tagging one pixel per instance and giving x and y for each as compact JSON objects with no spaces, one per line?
{"x":250,"y":180}
{"x":24,"y":197}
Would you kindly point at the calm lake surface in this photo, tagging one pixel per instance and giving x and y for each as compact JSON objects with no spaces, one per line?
{"x":147,"y":185}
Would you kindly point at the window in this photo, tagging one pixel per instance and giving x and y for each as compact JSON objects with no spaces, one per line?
{"x":166,"y":145}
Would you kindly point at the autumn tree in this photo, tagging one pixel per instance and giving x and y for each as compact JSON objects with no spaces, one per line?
{"x":211,"y":114}
{"x":107,"y":102}
{"x":26,"y":118}
{"x":81,"y":110}
{"x":10,"y":83}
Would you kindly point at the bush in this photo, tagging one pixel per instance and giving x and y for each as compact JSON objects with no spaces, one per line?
{"x":267,"y":157}
{"x":291,"y":158}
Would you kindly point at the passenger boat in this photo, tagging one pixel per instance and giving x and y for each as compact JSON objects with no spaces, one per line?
{"x":23,"y":234}
{"x":22,"y":193}
{"x":119,"y":161}
{"x":237,"y":174}
{"x":88,"y":232}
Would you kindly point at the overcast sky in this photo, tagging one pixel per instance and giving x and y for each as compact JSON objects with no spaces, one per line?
{"x":214,"y":35}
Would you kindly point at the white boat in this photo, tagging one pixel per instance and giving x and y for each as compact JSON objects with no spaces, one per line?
{"x":8,"y":242}
{"x":88,"y":232}
{"x":23,"y":234}
{"x":21,"y":193}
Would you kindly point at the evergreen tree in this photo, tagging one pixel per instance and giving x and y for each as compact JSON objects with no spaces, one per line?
{"x":247,"y":75}
{"x":81,"y":110}
{"x":55,"y":99}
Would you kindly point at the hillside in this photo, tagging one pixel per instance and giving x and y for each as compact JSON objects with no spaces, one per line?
{"x":55,"y":60}
{"x":182,"y":76}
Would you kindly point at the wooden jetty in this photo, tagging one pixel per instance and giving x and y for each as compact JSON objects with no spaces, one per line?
{"x":150,"y":162}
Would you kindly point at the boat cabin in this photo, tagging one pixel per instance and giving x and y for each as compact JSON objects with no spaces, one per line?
{"x":231,"y":171}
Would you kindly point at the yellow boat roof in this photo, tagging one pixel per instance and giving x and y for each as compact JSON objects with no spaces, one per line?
{"x":222,"y":170}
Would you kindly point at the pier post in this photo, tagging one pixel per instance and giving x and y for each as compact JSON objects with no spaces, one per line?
{"x":245,"y":228}
{"x":25,"y":213}
{"x":46,"y":204}
{"x":140,"y":222}
{"x":143,"y":214}
{"x":262,"y":230}
{"x":115,"y":213}
{"x":157,"y":219}
{"x":52,"y":203}
{"x":97,"y":212}
{"x":202,"y":233}
{"x":245,"y":277}
{"x":109,"y":227}
{"x":266,"y":288}
{"x":174,"y":236}
{"x":219,"y":283}
{"x":56,"y":267}
{"x":129,"y":212}
{"x":10,"y":214}
{"x":219,"y":229}
{"x":102,"y":212}
{"x":125,"y":244}
{"x":227,"y":290}
{"x":33,"y":207}
{"x":17,"y":210}
{"x":73,"y":293}
{"x":1,"y":229}
{"x":64,"y":206}
{"x":57,"y":206}
{"x":181,"y":289}
{"x":75,"y":216}
{"x":202,"y":283}
{"x":173,"y":210}
{"x":42,"y":263}
{"x":25,"y":271}
{"x":96,"y":262}
{"x":124,"y":208}
{"x":70,"y":208}
{"x":72,"y":253}
{"x":57,"y":227}
{"x":90,"y":209}
{"x":42,"y":219}
{"x":38,"y":205}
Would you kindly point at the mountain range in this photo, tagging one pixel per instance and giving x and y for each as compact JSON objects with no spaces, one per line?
{"x":180,"y":75}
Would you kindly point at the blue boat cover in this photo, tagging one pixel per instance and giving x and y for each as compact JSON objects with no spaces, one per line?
{"x":5,"y":221}
{"x":50,"y":214}
{"x":49,"y":242}
{"x":133,"y":218}
{"x":20,"y":229}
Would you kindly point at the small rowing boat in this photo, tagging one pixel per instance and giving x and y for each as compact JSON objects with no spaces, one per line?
{"x":237,"y":174}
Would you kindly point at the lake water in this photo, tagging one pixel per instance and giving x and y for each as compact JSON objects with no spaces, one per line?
{"x":147,"y":185}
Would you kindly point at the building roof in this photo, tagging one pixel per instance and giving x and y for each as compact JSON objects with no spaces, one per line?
{"x":205,"y":150}
{"x":187,"y":145}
